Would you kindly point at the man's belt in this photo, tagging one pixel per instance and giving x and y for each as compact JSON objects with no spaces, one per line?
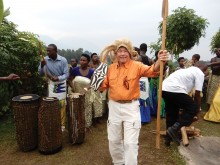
{"x":125,"y":101}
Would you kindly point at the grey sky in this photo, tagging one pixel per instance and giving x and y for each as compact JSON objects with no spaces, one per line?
{"x":93,"y":24}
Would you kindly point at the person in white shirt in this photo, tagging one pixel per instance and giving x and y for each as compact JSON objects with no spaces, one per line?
{"x":175,"y":91}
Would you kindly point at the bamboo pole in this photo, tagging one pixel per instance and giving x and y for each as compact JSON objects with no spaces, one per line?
{"x":164,"y":15}
{"x":184,"y":136}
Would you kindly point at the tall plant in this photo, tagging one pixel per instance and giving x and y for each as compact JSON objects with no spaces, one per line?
{"x":19,"y":53}
{"x":1,"y":11}
{"x":215,"y":41}
{"x":184,"y":29}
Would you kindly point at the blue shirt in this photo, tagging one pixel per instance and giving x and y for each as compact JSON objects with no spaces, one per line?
{"x":75,"y":72}
{"x":58,"y":67}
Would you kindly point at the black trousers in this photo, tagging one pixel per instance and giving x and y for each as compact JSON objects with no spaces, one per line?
{"x":173,"y":103}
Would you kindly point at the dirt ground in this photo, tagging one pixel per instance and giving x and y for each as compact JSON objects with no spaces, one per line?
{"x":94,"y":151}
{"x":203,"y":150}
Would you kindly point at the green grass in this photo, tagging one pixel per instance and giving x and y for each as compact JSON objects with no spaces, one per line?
{"x":7,"y":131}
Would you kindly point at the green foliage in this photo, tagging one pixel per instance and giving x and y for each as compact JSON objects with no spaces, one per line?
{"x":19,"y":53}
{"x":184,"y":29}
{"x":3,"y":13}
{"x":70,"y":53}
{"x":155,"y":46}
{"x":1,"y":10}
{"x":215,"y":42}
{"x":6,"y":12}
{"x":171,"y":67}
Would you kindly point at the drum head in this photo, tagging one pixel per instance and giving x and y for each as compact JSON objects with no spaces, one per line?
{"x":26,"y":97}
{"x":50,"y":98}
{"x":74,"y":95}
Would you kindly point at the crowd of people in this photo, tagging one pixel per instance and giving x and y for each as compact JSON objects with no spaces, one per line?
{"x":60,"y":76}
{"x":129,"y":94}
{"x":122,"y":83}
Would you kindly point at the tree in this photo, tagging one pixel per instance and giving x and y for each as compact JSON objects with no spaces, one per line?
{"x":70,"y":53}
{"x":19,"y":53}
{"x":184,"y":29}
{"x":3,"y":13}
{"x":1,"y":10}
{"x":215,"y":42}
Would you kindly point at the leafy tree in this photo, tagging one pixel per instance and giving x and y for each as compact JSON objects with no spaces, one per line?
{"x":155,"y":46}
{"x":87,"y":52}
{"x":70,"y":53}
{"x":1,"y":10}
{"x":3,"y":13}
{"x":215,"y":42}
{"x":184,"y":29}
{"x":19,"y":53}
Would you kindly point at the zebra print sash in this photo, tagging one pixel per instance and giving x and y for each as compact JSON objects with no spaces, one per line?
{"x":99,"y":76}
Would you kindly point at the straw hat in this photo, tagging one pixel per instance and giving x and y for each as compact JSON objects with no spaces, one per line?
{"x":113,"y":48}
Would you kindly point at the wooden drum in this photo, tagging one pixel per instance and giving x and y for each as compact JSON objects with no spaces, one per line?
{"x":25,"y":109}
{"x":49,"y":121}
{"x":76,"y":117}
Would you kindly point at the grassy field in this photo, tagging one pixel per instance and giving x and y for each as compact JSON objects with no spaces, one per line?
{"x":94,"y":151}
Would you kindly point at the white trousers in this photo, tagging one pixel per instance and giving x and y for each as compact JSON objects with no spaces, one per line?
{"x":124,"y":117}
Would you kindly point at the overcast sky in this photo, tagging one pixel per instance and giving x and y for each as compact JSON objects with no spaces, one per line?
{"x":93,"y":24}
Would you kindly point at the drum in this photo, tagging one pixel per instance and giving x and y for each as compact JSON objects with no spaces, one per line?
{"x":49,"y":123}
{"x":25,"y":109}
{"x":81,"y":85}
{"x":76,"y":117}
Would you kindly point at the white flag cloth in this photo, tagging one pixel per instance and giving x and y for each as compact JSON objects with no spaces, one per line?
{"x":144,"y":88}
{"x":99,"y":76}
{"x":57,"y":89}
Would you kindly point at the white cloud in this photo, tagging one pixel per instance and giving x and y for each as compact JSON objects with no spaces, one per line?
{"x":92,"y":24}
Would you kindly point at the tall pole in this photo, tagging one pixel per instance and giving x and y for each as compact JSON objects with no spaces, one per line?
{"x":164,"y":15}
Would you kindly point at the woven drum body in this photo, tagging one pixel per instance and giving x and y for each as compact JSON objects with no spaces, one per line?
{"x":25,"y":109}
{"x":76,"y":117}
{"x":49,"y":126}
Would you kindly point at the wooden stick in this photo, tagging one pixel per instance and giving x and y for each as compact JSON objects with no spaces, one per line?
{"x":162,"y":133}
{"x":184,"y":136}
{"x":164,"y":14}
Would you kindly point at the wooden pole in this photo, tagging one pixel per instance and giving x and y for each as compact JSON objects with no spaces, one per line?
{"x":184,"y":136}
{"x":164,"y":15}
